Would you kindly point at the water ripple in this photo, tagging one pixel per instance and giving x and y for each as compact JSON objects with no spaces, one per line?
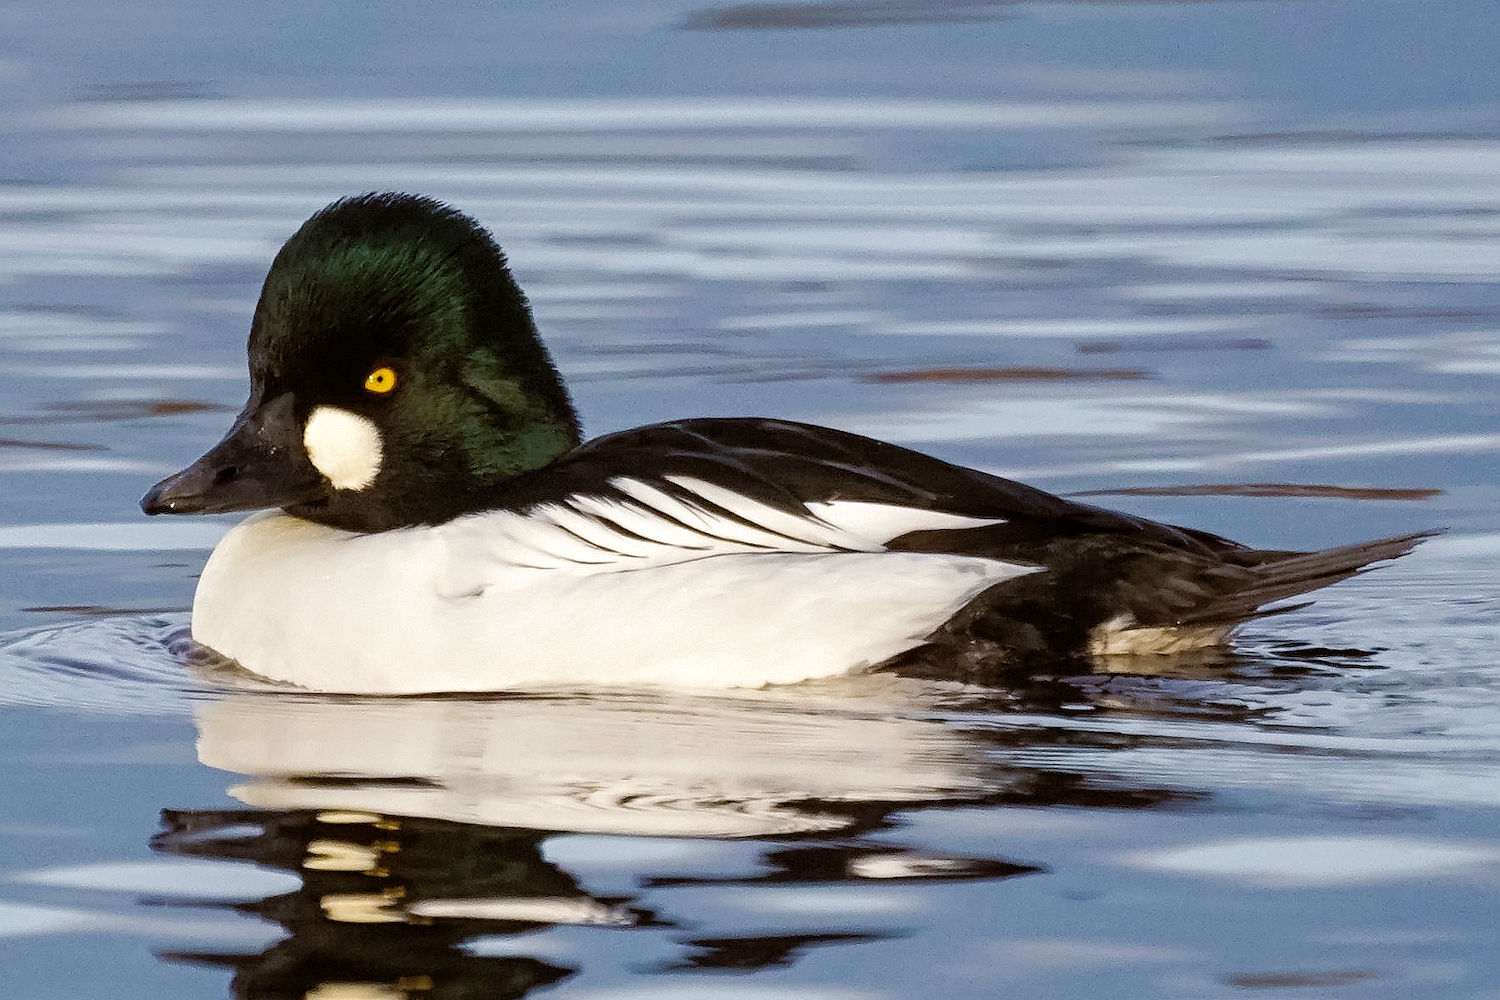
{"x":112,"y":666}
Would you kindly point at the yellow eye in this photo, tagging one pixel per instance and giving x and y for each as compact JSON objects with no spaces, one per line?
{"x":380,"y":381}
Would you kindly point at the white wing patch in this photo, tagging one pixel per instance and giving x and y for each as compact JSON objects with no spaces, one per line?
{"x":890,"y":521}
{"x":648,"y":526}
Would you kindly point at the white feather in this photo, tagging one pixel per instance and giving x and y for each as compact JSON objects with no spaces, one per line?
{"x":697,"y":519}
{"x":604,"y":537}
{"x":654,"y":531}
{"x":590,"y":533}
{"x":537,"y":540}
{"x":808,"y":530}
{"x":885,"y":521}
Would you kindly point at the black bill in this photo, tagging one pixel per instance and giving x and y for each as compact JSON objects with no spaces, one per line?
{"x":260,"y":463}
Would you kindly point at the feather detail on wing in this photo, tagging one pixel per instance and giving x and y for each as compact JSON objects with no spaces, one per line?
{"x":682,"y":518}
{"x":735,"y":485}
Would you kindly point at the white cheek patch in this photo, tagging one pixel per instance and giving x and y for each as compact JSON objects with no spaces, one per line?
{"x":344,"y":446}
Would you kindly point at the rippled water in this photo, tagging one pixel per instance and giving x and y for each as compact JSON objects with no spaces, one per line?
{"x":1183,"y":253}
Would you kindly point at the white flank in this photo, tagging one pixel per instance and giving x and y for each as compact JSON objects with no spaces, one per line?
{"x":590,"y":591}
{"x":344,"y":446}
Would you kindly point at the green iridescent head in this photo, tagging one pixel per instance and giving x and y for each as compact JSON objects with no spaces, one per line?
{"x":396,"y":377}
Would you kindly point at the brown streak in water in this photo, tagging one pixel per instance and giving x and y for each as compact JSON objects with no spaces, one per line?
{"x":149,"y":90}
{"x":51,"y":445}
{"x":1117,"y":346}
{"x":1369,"y":310}
{"x":757,"y":16}
{"x":1018,"y":374}
{"x":1324,"y":136}
{"x":110,"y":410}
{"x":140,"y":407}
{"x":1268,"y":490}
{"x":1293,"y":980}
{"x":872,"y":13}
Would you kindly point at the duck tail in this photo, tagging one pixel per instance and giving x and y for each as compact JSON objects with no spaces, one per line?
{"x":1272,"y":576}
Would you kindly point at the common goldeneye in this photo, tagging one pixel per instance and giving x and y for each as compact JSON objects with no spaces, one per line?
{"x":437,"y":523}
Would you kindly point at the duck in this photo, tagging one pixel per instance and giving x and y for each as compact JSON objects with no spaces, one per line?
{"x":428,"y":516}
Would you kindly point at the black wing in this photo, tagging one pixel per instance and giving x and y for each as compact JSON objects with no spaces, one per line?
{"x":787,"y":465}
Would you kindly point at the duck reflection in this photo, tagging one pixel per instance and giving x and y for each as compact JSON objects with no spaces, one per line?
{"x":356,"y":929}
{"x":419,"y":825}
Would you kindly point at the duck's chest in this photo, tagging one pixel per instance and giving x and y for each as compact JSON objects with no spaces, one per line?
{"x":453,"y":609}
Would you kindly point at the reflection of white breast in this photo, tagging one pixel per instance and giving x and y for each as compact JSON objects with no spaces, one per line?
{"x":749,"y":765}
{"x":504,"y":600}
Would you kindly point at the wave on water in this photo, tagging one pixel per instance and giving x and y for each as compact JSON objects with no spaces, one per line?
{"x":113,"y":666}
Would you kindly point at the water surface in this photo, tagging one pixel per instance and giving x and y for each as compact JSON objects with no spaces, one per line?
{"x":1233,"y":264}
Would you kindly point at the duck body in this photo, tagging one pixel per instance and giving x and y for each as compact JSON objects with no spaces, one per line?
{"x":703,"y":553}
{"x":674,"y":554}
{"x":442,"y":527}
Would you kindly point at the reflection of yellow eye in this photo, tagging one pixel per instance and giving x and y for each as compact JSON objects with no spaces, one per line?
{"x":380,"y":381}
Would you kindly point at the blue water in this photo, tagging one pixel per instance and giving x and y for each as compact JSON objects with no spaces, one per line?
{"x":1248,"y":243}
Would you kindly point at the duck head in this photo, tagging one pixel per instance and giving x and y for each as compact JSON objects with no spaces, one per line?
{"x":396,"y":377}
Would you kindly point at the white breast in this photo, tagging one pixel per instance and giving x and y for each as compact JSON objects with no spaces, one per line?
{"x":584,"y":592}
